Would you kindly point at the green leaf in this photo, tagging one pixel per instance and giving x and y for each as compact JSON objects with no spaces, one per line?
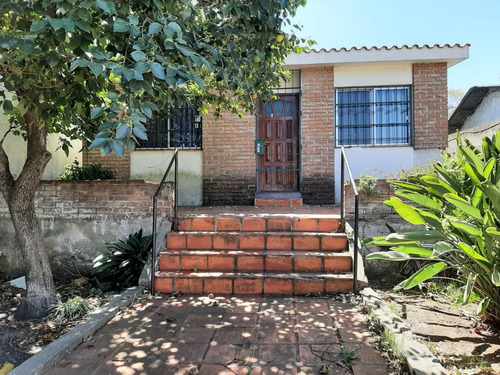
{"x":99,"y":142}
{"x":174,"y":26}
{"x":155,"y":28}
{"x":82,"y":25}
{"x":471,"y":157}
{"x":421,"y":252}
{"x":423,"y":235}
{"x":482,"y":306}
{"x":158,"y":70}
{"x":420,"y":199}
{"x":139,"y":56}
{"x":473,"y":254}
{"x":52,"y":59}
{"x":39,"y":26}
{"x":97,"y":112}
{"x":139,"y":133}
{"x":493,"y":232}
{"x":407,"y":212}
{"x":393,"y":256}
{"x":493,"y":193}
{"x":495,"y":275}
{"x":121,"y":26}
{"x":422,"y":275}
{"x":118,"y":147}
{"x":8,"y":108}
{"x":441,"y":248}
{"x":463,"y":206}
{"x":469,"y":287}
{"x":122,"y":131}
{"x":106,"y":6}
{"x":96,"y":68}
{"x":79,"y":63}
{"x":468,"y":228}
{"x":56,"y":24}
{"x":184,"y":50}
{"x":133,"y":19}
{"x":408,"y":186}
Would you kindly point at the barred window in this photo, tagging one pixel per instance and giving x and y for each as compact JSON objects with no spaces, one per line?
{"x":373,"y":116}
{"x":182,"y":129}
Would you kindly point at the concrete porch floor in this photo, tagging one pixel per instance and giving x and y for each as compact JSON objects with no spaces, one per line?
{"x":225,"y":335}
{"x":240,"y":211}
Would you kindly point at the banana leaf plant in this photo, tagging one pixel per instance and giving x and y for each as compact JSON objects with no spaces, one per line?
{"x":459,"y":217}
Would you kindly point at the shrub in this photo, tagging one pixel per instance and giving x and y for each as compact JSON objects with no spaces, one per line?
{"x":368,"y":184}
{"x":72,"y":309}
{"x":73,"y":172}
{"x":460,"y":209}
{"x":124,"y":261}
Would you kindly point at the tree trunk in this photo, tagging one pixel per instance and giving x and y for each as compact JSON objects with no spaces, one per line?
{"x":20,"y":198}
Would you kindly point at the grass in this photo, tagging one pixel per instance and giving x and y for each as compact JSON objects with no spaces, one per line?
{"x":347,"y":357}
{"x":392,"y":343}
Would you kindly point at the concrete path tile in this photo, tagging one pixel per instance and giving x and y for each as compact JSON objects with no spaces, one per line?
{"x":227,"y":354}
{"x":319,"y":354}
{"x":234,"y":335}
{"x":271,"y":335}
{"x":274,"y":355}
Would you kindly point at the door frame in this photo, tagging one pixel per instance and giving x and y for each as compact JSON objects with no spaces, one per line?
{"x":260,"y":112}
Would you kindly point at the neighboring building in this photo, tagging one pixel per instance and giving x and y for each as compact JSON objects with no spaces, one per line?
{"x":477,"y":116}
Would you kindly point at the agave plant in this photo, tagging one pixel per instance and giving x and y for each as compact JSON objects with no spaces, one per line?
{"x":460,"y":212}
{"x":124,"y":261}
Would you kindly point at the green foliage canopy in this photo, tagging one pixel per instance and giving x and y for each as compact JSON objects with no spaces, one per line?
{"x":106,"y":67}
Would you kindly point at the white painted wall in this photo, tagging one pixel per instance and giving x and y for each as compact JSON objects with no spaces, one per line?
{"x":381,"y":161}
{"x":373,"y":75}
{"x":15,"y":147}
{"x":152,"y":164}
{"x":487,"y":112}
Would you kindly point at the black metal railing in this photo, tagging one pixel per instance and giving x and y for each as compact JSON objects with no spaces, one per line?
{"x":173,"y":161}
{"x":345,"y":163}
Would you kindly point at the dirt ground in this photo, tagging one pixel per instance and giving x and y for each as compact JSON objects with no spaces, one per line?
{"x":21,"y":340}
{"x":456,"y":336}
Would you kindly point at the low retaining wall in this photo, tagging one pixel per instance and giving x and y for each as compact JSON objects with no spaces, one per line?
{"x":78,"y":218}
{"x":375,"y":218}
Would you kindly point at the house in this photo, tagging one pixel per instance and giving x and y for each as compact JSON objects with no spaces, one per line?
{"x":476,"y":116}
{"x":387,"y":106}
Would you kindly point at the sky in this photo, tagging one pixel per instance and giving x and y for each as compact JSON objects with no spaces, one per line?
{"x":358,"y":23}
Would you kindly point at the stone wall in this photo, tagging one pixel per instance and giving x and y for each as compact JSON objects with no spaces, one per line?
{"x":78,"y":218}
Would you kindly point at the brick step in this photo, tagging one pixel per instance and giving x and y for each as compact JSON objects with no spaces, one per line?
{"x":258,"y":261}
{"x":257,"y":241}
{"x":278,"y":202}
{"x":262,"y":223}
{"x":252,"y":283}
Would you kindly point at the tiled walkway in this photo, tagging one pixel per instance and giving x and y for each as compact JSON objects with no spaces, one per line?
{"x":251,"y":335}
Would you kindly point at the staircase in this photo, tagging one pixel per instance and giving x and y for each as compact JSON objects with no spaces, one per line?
{"x":256,"y":250}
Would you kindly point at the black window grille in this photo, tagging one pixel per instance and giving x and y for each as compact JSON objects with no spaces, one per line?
{"x":373,"y":116}
{"x":181,"y":129}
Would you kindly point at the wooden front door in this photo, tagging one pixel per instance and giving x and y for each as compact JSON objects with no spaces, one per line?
{"x":277,"y":146}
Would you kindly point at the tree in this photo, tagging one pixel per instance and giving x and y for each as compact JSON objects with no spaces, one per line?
{"x":454,"y":98}
{"x":98,"y":70}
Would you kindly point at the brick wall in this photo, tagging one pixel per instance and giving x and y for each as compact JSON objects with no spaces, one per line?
{"x":430,"y":105}
{"x":121,"y":167}
{"x":98,"y":200}
{"x":318,"y":144}
{"x":228,"y":159}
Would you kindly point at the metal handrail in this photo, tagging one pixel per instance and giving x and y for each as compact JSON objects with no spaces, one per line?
{"x":345,"y":162}
{"x":174,"y":160}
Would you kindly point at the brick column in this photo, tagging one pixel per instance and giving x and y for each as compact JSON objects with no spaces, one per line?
{"x":430,"y":105}
{"x":318,"y":144}
{"x":228,"y":159}
{"x":120,"y":167}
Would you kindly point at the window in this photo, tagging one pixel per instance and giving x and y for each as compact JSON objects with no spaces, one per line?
{"x":373,"y":116}
{"x":182,"y":129}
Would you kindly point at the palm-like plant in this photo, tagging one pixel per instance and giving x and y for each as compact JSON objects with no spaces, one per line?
{"x":124,"y":261}
{"x":460,"y":209}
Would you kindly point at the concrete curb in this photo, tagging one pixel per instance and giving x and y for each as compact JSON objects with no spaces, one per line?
{"x":59,"y":349}
{"x":420,"y":360}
